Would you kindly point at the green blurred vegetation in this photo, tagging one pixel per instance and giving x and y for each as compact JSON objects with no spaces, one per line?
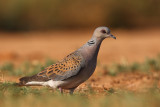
{"x":13,"y":96}
{"x":18,"y":15}
{"x":26,"y":68}
{"x":148,"y":66}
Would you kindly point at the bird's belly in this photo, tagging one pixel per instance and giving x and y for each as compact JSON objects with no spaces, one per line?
{"x":71,"y":84}
{"x":75,"y":81}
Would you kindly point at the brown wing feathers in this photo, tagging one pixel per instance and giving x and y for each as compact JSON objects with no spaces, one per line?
{"x":64,"y":69}
{"x":60,"y":70}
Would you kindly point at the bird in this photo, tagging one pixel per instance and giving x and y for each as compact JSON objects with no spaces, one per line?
{"x":72,"y":70}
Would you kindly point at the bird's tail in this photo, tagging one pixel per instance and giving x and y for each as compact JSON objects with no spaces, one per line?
{"x":24,"y":80}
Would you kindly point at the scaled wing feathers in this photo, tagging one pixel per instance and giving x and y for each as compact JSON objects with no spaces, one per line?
{"x":64,"y":69}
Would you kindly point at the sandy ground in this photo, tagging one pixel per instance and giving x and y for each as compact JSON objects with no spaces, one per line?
{"x":132,"y":46}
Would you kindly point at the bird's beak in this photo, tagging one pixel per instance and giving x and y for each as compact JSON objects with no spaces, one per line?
{"x":112,"y":36}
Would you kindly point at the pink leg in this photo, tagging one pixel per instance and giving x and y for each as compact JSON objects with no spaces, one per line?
{"x":61,"y":90}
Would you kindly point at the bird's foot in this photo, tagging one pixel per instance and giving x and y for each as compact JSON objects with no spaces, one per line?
{"x":71,"y":91}
{"x":61,"y":90}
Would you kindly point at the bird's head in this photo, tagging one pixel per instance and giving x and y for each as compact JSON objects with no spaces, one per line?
{"x":103,"y":32}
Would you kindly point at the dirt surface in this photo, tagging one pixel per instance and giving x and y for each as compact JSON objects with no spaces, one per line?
{"x":132,"y":46}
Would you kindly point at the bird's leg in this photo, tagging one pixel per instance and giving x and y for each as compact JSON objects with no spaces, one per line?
{"x":61,"y":90}
{"x":71,"y":91}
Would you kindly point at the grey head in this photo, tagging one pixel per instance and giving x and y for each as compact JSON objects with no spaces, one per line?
{"x":102,"y":33}
{"x":91,"y":48}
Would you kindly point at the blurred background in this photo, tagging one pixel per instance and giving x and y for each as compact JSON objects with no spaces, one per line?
{"x":36,"y":29}
{"x":26,"y":15}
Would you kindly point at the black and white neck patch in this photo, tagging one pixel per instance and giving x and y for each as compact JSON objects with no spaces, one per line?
{"x":91,"y":42}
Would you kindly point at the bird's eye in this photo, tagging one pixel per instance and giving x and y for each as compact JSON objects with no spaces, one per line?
{"x":103,"y":31}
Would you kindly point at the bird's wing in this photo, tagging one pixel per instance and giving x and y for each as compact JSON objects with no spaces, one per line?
{"x":64,"y":69}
